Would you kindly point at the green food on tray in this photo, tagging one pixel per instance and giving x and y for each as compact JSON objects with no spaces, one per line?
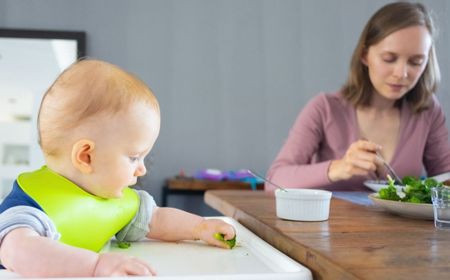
{"x":415,"y":190}
{"x":231,"y":243}
{"x":123,"y":244}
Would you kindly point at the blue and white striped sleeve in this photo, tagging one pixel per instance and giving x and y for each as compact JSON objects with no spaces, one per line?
{"x":28,"y":217}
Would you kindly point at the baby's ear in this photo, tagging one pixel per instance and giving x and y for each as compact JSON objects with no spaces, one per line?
{"x":82,"y":155}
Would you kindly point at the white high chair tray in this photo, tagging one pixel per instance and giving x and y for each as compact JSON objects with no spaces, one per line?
{"x":252,"y":258}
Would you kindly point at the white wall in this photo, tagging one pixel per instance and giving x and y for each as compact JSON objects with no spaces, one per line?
{"x":230,"y":75}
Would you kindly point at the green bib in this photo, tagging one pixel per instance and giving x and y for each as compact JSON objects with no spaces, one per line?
{"x":82,"y":219}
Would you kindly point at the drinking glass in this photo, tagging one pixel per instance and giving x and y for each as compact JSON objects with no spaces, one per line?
{"x":440,"y":197}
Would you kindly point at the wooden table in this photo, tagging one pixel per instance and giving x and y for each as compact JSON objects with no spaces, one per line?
{"x":357,"y":242}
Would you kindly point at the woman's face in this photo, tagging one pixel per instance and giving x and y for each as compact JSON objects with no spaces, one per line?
{"x":396,"y":63}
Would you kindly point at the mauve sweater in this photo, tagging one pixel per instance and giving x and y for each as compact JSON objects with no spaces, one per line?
{"x":327,"y":126}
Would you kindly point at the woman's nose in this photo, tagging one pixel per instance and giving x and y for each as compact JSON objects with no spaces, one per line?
{"x":401,"y":71}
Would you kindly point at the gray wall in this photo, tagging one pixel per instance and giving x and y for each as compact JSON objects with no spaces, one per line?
{"x":231,"y":75}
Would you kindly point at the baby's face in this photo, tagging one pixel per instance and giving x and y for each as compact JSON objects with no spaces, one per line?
{"x":119,"y":152}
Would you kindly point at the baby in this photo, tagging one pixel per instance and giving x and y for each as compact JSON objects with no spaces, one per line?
{"x":96,"y":125}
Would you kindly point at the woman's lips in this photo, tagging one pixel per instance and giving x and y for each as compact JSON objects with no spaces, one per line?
{"x":396,"y":87}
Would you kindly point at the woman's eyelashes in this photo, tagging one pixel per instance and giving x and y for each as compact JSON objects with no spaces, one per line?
{"x":417,"y":62}
{"x":414,"y":61}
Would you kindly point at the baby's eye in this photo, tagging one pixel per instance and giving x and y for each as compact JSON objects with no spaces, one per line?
{"x":134,"y":159}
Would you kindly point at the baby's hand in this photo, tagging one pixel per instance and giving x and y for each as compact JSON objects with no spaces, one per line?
{"x":209,"y":227}
{"x":116,"y":264}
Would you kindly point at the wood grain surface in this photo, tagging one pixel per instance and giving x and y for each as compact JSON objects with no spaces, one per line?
{"x":188,"y":183}
{"x":357,"y":242}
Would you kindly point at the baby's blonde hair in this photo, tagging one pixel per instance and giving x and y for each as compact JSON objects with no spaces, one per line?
{"x":83,"y":91}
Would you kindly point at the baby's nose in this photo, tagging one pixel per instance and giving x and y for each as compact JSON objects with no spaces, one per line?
{"x":141,"y":170}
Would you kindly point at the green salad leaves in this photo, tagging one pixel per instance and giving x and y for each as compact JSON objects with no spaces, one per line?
{"x":414,"y":190}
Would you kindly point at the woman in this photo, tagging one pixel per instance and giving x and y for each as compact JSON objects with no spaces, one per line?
{"x":386,"y":110}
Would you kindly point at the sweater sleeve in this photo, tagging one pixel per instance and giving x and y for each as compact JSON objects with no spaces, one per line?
{"x":293,"y":165}
{"x":437,"y":148}
{"x":138,"y":228}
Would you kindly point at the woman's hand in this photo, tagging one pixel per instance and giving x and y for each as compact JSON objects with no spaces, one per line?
{"x":359,"y":160}
{"x":208,"y":227}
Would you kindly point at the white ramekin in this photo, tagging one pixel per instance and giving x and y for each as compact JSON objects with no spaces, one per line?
{"x":303,"y":204}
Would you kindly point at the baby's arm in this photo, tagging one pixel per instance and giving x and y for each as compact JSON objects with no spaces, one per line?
{"x":170,"y":224}
{"x":29,"y":254}
{"x":29,"y":246}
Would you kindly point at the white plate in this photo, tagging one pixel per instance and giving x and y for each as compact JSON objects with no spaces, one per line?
{"x":377,"y":185}
{"x":442,"y":177}
{"x":406,"y":209}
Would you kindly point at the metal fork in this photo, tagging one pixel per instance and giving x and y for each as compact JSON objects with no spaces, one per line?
{"x":389,"y":168}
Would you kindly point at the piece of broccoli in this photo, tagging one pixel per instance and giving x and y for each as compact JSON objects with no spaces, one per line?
{"x":123,"y":244}
{"x":390,"y":192}
{"x":231,"y":242}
